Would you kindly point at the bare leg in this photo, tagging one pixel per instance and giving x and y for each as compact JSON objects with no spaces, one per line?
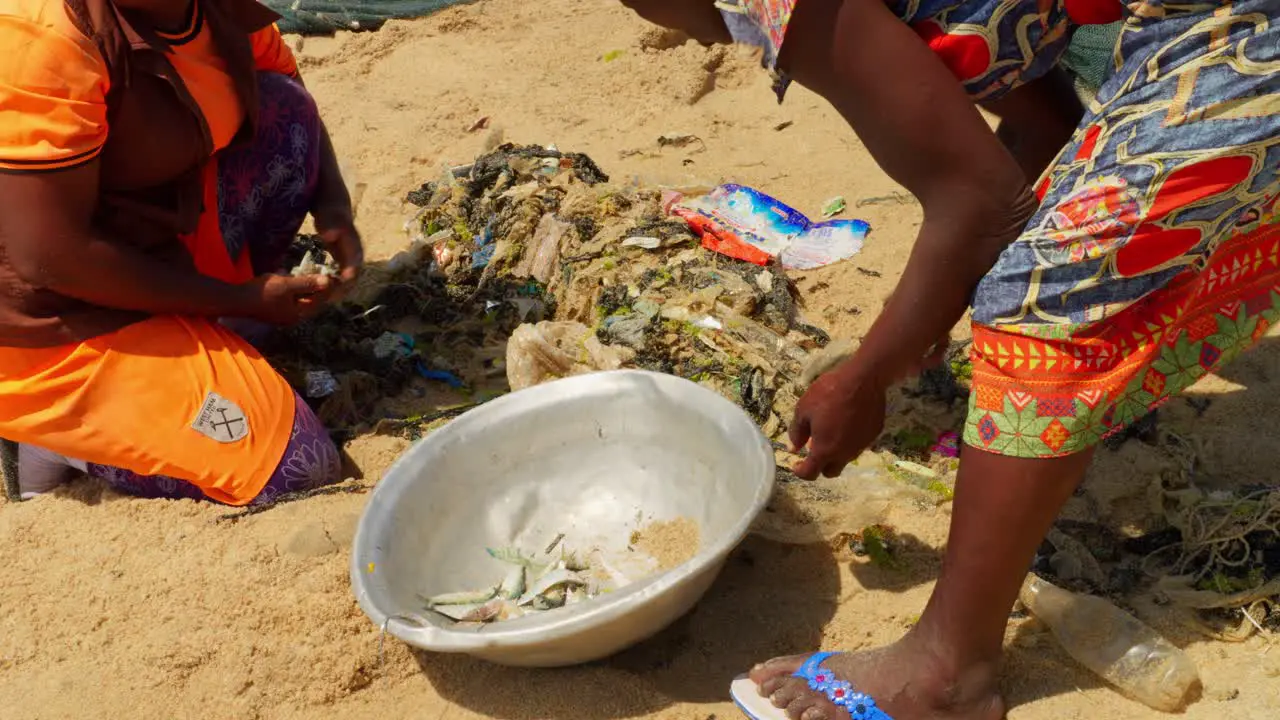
{"x":947,"y":664}
{"x":698,"y":18}
{"x":1037,"y":120}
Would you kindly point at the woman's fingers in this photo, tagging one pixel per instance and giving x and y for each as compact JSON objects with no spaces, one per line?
{"x":808,"y":468}
{"x":827,"y":464}
{"x":833,"y":469}
{"x":343,"y":242}
{"x":799,"y":432}
{"x":821,"y":454}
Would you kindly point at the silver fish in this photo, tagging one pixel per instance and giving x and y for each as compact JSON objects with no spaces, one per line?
{"x":551,"y":580}
{"x":512,"y":556}
{"x":550,"y":600}
{"x":495,"y":609}
{"x":508,"y":555}
{"x":528,"y":586}
{"x":457,"y":613}
{"x":513,"y":584}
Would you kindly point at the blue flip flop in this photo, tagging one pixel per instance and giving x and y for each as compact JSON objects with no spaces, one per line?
{"x":747,"y":696}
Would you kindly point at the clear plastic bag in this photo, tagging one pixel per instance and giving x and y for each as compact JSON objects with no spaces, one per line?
{"x":552,"y":350}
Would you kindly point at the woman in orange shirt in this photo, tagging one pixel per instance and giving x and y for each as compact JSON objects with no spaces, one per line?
{"x":157,"y":158}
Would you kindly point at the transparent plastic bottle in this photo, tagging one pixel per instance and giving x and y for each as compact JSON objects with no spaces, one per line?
{"x":1120,"y":648}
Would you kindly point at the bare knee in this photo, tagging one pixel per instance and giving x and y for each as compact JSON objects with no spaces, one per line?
{"x":1037,"y":120}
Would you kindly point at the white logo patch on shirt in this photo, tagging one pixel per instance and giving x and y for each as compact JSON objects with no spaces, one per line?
{"x":221,"y":420}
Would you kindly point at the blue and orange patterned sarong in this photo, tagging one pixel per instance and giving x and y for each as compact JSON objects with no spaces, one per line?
{"x":991,"y":46}
{"x":1154,"y":258}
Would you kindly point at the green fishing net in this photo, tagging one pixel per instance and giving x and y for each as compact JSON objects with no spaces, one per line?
{"x":324,"y":17}
{"x":1089,"y":57}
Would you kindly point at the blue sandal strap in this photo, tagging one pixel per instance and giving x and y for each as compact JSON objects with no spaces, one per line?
{"x":860,"y":706}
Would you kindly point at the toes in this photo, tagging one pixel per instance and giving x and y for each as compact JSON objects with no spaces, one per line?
{"x":806,"y":706}
{"x":772,"y":685}
{"x":783,"y":693}
{"x":814,"y":712}
{"x":782,"y":667}
{"x":794,"y":696}
{"x":776,"y":680}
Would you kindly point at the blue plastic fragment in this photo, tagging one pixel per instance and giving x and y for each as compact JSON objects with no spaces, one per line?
{"x":484,"y":247}
{"x":440,"y":375}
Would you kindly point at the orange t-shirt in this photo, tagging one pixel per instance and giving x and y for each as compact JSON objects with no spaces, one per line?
{"x":95,"y":400}
{"x":54,"y":82}
{"x":194,"y":56}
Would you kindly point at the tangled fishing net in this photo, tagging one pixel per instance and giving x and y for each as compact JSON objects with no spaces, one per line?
{"x":1222,"y":564}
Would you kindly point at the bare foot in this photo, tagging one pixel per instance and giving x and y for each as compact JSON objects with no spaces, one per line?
{"x":907,"y":681}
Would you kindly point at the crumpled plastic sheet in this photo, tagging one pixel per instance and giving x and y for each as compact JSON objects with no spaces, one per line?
{"x":552,"y":350}
{"x":746,"y":224}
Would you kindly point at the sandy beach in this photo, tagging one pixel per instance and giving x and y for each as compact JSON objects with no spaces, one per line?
{"x":112,"y":607}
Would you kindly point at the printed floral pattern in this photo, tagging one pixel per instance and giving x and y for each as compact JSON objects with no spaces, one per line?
{"x":991,"y":46}
{"x":1155,"y":256}
{"x":265,"y":188}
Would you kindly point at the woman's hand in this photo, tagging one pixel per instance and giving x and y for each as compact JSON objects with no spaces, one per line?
{"x":840,"y":415}
{"x":284,"y":299}
{"x":337,"y":230}
{"x":842,"y":412}
{"x":922,"y":128}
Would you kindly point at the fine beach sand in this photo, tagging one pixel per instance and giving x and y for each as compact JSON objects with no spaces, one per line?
{"x":118,"y":608}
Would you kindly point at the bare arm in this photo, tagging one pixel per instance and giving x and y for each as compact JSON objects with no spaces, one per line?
{"x":920,"y":126}
{"x":45,"y":230}
{"x":331,"y":189}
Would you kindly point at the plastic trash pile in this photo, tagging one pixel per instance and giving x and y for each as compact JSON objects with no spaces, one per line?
{"x":529,"y":265}
{"x":367,"y":365}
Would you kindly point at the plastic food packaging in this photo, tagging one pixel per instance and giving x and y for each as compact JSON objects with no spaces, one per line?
{"x":746,"y":224}
{"x":552,"y":350}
